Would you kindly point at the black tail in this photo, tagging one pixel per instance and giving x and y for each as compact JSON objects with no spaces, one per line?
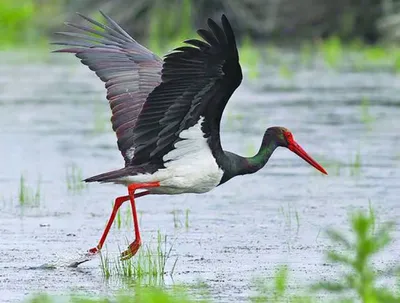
{"x":110,"y":176}
{"x":116,"y":175}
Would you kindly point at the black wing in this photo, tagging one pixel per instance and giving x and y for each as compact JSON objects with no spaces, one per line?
{"x":197,"y":80}
{"x":129,"y":70}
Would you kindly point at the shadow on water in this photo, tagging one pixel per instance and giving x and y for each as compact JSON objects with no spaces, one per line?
{"x":54,"y":114}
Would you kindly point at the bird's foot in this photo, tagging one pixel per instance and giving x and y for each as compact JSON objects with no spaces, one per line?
{"x":88,"y":256}
{"x":93,"y":251}
{"x":132,"y":250}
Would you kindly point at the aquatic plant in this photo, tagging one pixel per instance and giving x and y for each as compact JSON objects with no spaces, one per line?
{"x":118,"y":217}
{"x":306,"y":54}
{"x":24,"y":22}
{"x":187,"y":218}
{"x":164,"y":31}
{"x":288,"y":214}
{"x":137,"y":294}
{"x":176,"y":215}
{"x":126,"y":212}
{"x":366,"y":116}
{"x":74,"y":179}
{"x":332,"y":51}
{"x":285,"y":72}
{"x":355,"y":165}
{"x":15,"y":21}
{"x":250,"y":58}
{"x":148,"y":262}
{"x":101,"y":118}
{"x":234,"y":119}
{"x":334,"y":167}
{"x":276,"y":289}
{"x":177,"y":222}
{"x":360,"y":277}
{"x":27,"y":196}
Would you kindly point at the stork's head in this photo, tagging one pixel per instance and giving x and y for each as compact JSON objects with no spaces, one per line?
{"x":283,"y":137}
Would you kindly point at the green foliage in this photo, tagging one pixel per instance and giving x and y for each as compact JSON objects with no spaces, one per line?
{"x":101,"y":119}
{"x":147,"y":263}
{"x":28,"y":196}
{"x":177,"y":222}
{"x":169,"y":27}
{"x":288,"y":215}
{"x":187,"y":218}
{"x":250,"y":57}
{"x":138,"y":294}
{"x":332,"y":51}
{"x":355,"y":165}
{"x":360,"y":277}
{"x":15,"y":22}
{"x":177,"y":214}
{"x":127,"y":221}
{"x":73,"y":178}
{"x":366,"y":116}
{"x":285,"y":72}
{"x":306,"y":53}
{"x":277,"y":290}
{"x":24,"y":22}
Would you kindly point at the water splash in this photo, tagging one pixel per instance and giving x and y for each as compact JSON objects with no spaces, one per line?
{"x":67,"y":262}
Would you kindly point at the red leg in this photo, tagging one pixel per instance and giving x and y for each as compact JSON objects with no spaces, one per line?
{"x":135,"y":245}
{"x":118,"y":202}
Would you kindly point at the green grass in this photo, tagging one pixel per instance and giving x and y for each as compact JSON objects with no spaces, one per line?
{"x":285,"y":72}
{"x":250,"y":57}
{"x":24,"y":22}
{"x":148,"y":263}
{"x":332,"y":51}
{"x":234,"y":120}
{"x":366,"y":116}
{"x":289,"y":214}
{"x":169,"y":28}
{"x":101,"y":122}
{"x":179,"y":222}
{"x":352,"y":168}
{"x":355,"y":165}
{"x":73,"y":179}
{"x":306,"y":54}
{"x":187,"y":225}
{"x":291,"y":220}
{"x":27,"y":195}
{"x":124,"y":211}
{"x":175,"y":216}
{"x":333,"y":167}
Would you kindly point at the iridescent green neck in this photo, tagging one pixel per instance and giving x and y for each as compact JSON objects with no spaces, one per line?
{"x":267,"y":147}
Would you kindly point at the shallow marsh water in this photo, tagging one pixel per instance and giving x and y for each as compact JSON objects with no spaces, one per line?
{"x":53,"y":114}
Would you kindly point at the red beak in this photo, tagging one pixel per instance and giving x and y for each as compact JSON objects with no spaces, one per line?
{"x":298,"y":150}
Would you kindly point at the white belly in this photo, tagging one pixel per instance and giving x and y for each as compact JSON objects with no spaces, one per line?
{"x":189,"y":168}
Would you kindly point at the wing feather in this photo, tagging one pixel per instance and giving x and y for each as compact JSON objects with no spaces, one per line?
{"x":197,"y":80}
{"x":129,"y":70}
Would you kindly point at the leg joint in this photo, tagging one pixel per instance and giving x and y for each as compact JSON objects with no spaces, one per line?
{"x":134,"y":186}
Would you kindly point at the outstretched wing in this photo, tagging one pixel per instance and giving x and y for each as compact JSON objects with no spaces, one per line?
{"x":129,"y":70}
{"x":197,"y":81}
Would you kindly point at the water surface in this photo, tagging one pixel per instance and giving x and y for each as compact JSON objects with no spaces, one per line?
{"x":53,"y":114}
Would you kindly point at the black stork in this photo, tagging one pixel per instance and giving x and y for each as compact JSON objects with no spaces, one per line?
{"x":166,"y":113}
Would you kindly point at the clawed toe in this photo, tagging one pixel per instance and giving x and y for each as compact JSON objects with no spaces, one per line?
{"x":131,"y":251}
